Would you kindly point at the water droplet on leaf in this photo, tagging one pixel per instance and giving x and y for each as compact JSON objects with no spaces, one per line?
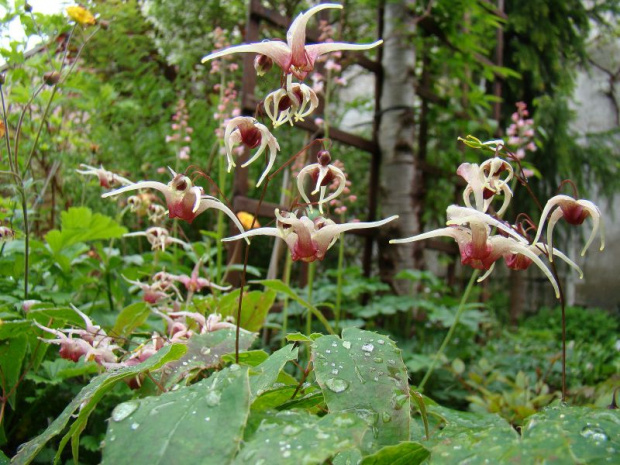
{"x":123,"y":410}
{"x":337,"y":384}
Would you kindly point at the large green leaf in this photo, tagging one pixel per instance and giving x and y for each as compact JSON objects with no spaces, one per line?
{"x":562,"y":434}
{"x":364,"y":373}
{"x":559,"y":434}
{"x":297,"y":437}
{"x":205,"y":351}
{"x":202,"y":423}
{"x":88,"y":397}
{"x":80,"y":225}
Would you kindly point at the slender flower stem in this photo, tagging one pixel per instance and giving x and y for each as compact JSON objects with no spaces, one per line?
{"x":288,"y":265}
{"x":311,"y":270}
{"x":339,"y":280}
{"x":221,"y":170}
{"x":448,"y":337}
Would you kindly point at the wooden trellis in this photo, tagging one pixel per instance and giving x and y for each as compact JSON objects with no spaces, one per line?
{"x":258,"y":14}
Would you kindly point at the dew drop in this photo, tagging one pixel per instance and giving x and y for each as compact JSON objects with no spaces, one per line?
{"x":123,"y":410}
{"x":286,"y":454}
{"x":213,"y":398}
{"x":322,"y":435}
{"x":378,"y":360}
{"x":335,"y":371}
{"x":135,"y":426}
{"x":380,"y":341}
{"x":328,"y":351}
{"x":207,"y":418}
{"x":595,"y":433}
{"x":290,"y":430}
{"x":346,"y":344}
{"x":334,"y":344}
{"x":368,"y":348}
{"x":337,"y":385}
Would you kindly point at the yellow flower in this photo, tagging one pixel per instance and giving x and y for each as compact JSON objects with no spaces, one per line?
{"x":246,"y":220}
{"x":81,"y":15}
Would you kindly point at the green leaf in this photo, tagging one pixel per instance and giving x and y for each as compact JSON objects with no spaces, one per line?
{"x":11,"y":329}
{"x":206,"y":351}
{"x":12,"y":353}
{"x":90,"y":395}
{"x":202,"y":423}
{"x":268,"y":371}
{"x":80,"y":225}
{"x":574,"y":434}
{"x":364,"y":373}
{"x":254,"y":308}
{"x":130,"y":318}
{"x":404,"y":453}
{"x":298,"y":337}
{"x":43,"y":314}
{"x":251,"y":357}
{"x":291,"y":437}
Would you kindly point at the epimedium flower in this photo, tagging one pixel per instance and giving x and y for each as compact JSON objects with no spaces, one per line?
{"x":194,"y":283}
{"x":156,"y":292}
{"x":291,"y":104}
{"x":6,"y":234}
{"x":308,"y":240}
{"x":249,"y":132}
{"x":480,"y":249}
{"x":574,"y":212}
{"x":322,"y":173}
{"x":294,"y":56}
{"x":107,"y":178}
{"x":184,"y":200}
{"x":158,"y":237}
{"x":92,"y":342}
{"x":485,"y":181}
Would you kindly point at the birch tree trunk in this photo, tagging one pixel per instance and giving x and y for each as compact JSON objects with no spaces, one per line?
{"x":399,"y":173}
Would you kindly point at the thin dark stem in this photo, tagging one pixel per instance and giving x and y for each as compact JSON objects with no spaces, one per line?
{"x":6,"y":135}
{"x":18,"y":131}
{"x":563,"y":306}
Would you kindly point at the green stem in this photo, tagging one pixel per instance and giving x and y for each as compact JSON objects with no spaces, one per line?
{"x":448,"y":337}
{"x":311,"y":270}
{"x":287,"y":280}
{"x":339,"y":280}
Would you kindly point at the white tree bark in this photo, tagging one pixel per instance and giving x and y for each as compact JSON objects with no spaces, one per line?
{"x":397,"y":142}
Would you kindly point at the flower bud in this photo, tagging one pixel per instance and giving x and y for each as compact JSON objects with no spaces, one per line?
{"x":324,"y":158}
{"x":27,"y":7}
{"x":262,"y":64}
{"x":51,"y":78}
{"x":2,"y":79}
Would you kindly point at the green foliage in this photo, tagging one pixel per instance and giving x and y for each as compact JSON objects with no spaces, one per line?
{"x":87,"y":400}
{"x":216,"y":408}
{"x":364,"y":373}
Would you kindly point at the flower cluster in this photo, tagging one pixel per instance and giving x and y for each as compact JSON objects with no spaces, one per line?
{"x":182,"y":132}
{"x":483,"y":238}
{"x":91,"y":342}
{"x":521,"y":132}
